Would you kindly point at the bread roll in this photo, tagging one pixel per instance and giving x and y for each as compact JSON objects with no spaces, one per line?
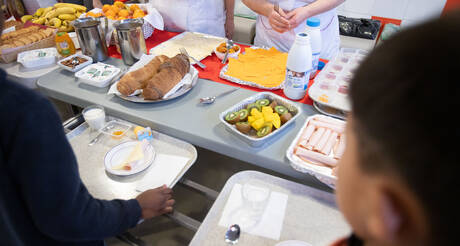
{"x":137,"y":79}
{"x":170,"y":74}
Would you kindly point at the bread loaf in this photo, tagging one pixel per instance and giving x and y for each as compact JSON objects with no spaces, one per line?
{"x":137,"y":79}
{"x":170,"y":74}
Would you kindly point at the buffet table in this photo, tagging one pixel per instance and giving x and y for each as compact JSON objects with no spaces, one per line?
{"x":185,"y":118}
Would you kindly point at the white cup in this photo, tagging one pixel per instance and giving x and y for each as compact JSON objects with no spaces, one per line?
{"x":95,"y":116}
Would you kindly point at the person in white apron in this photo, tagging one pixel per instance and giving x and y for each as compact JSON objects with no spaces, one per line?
{"x":214,"y":17}
{"x":278,"y":30}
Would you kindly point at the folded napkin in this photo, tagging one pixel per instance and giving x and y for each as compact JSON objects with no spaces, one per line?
{"x":186,"y":80}
{"x":269,"y":224}
{"x":165,"y":170}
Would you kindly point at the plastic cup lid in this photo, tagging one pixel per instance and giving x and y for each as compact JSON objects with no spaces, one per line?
{"x":313,"y":22}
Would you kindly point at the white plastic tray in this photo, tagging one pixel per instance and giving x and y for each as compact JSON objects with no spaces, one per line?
{"x":331,"y":84}
{"x":323,"y":174}
{"x":253,"y":141}
{"x":81,"y":75}
{"x":89,"y":60}
{"x":107,"y":186}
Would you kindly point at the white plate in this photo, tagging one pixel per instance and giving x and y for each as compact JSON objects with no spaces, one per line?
{"x":293,"y":243}
{"x":120,"y":152}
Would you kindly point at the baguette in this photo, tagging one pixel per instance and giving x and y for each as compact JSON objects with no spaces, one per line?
{"x":136,"y":79}
{"x":170,"y":74}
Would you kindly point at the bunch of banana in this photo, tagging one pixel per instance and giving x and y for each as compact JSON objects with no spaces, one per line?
{"x":59,"y":16}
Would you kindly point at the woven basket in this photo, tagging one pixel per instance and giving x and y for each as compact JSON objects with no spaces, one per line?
{"x":11,"y":54}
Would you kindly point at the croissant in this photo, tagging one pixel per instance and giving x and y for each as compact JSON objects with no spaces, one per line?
{"x":170,"y":74}
{"x":136,"y":79}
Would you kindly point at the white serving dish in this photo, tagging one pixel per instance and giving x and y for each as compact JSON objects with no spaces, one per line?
{"x":254,"y":141}
{"x":332,"y":82}
{"x":323,"y":174}
{"x":221,"y":55}
{"x":204,"y":41}
{"x":89,"y":60}
{"x":94,"y":74}
{"x":37,"y":58}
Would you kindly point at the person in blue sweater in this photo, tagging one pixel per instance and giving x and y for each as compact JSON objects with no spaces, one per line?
{"x":42,"y":198}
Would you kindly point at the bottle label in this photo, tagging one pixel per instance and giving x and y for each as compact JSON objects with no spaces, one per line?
{"x":64,"y":45}
{"x":296,"y":80}
{"x":315,"y":59}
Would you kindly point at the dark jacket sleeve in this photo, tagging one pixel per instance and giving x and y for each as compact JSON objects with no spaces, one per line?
{"x":45,"y":168}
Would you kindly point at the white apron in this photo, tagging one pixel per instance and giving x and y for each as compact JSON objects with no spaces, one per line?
{"x":266,"y":36}
{"x":205,"y":16}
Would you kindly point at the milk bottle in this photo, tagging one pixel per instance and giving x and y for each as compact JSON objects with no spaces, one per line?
{"x":298,"y":67}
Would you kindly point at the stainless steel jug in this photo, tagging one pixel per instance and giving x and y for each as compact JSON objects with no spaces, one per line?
{"x":91,"y":39}
{"x":131,"y":39}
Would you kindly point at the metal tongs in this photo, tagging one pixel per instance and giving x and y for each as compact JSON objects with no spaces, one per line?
{"x":184,"y":52}
{"x":229,"y":46}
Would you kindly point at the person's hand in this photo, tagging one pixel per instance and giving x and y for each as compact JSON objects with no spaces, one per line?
{"x":97,"y":4}
{"x":229,"y":27}
{"x":155,"y":202}
{"x":278,"y":21}
{"x":297,"y":16}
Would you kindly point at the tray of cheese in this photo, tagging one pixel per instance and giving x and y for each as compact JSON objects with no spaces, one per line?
{"x":257,"y":67}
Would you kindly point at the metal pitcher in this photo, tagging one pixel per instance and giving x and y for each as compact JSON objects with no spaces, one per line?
{"x":131,"y":39}
{"x":91,"y":39}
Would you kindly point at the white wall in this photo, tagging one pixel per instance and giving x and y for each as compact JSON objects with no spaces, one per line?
{"x":409,"y":11}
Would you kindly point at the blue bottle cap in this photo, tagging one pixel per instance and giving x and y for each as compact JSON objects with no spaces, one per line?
{"x":321,"y":65}
{"x":313,"y":22}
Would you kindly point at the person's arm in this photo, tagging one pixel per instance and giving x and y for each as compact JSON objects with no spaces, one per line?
{"x":229,"y":21}
{"x":278,"y":21}
{"x":43,"y":164}
{"x":301,"y":14}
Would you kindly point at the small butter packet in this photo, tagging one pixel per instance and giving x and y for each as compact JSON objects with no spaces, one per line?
{"x":143,"y":133}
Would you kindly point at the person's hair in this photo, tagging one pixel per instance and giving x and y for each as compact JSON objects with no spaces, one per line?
{"x":405,"y":98}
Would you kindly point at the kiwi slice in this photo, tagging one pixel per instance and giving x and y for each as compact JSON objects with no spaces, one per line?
{"x":254,"y":105}
{"x":273,"y":104}
{"x":243,"y":127}
{"x":285,"y":117}
{"x":232,"y":117}
{"x":281,"y":110}
{"x":243,"y":114}
{"x":264,"y":130}
{"x":263,"y":102}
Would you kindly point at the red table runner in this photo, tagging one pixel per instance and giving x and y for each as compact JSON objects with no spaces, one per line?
{"x":213,"y":64}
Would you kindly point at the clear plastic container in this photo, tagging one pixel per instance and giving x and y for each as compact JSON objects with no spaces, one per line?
{"x":38,"y":58}
{"x":115,"y":129}
{"x":337,"y":74}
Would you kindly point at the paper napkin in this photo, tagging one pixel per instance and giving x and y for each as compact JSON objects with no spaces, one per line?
{"x":165,"y":170}
{"x":270,"y":223}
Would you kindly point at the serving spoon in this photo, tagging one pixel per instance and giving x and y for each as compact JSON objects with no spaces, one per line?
{"x":209,"y":100}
